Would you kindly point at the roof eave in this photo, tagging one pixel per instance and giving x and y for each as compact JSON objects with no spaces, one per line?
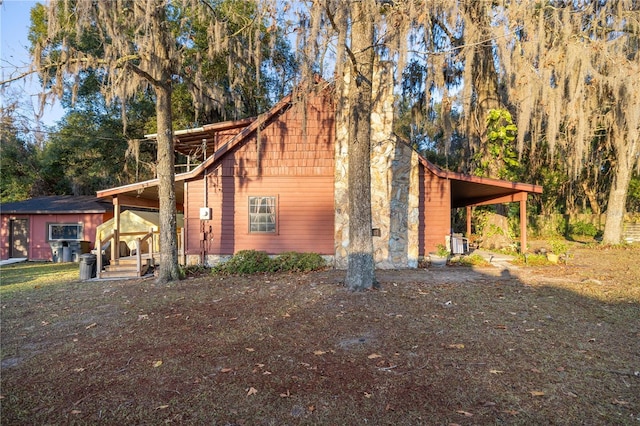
{"x":446,"y":174}
{"x":232,"y":143}
{"x":20,"y":212}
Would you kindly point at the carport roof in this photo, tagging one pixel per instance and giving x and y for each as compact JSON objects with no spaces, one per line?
{"x":468,"y":190}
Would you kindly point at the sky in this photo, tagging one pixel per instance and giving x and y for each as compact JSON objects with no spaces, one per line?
{"x":14,"y":58}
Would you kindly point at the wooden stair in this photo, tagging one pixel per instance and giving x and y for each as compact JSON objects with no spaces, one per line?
{"x":126,"y":267}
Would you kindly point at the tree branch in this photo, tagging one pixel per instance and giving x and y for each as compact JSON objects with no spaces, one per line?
{"x":143,"y":74}
{"x":18,"y":77}
{"x":118,"y":64}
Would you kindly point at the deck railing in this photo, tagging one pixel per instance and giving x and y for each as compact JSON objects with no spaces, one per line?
{"x":142,"y":237}
{"x":139,"y":241}
{"x":100,"y":241}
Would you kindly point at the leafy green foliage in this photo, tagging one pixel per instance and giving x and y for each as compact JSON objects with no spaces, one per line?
{"x":482,"y":220}
{"x":558,"y":246}
{"x":254,"y":261}
{"x":554,"y":182}
{"x":586,"y":229}
{"x":531,"y":259}
{"x":246,"y":262}
{"x":633,"y":196}
{"x":442,"y":251}
{"x":85,"y":155}
{"x":298,"y":262}
{"x":17,"y":162}
{"x":498,"y":158}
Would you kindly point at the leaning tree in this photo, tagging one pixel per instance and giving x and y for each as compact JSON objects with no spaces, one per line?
{"x":148,"y":45}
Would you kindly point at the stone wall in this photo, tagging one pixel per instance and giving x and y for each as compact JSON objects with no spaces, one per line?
{"x":394,"y":182}
{"x":341,"y":178}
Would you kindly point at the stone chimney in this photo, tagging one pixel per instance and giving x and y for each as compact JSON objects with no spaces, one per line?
{"x":394,"y":182}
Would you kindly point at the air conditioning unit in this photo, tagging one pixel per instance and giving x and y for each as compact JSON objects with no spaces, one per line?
{"x":205,"y":213}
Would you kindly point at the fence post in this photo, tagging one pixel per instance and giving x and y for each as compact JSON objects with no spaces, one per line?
{"x":138,"y":258}
{"x":115,"y":247}
{"x":99,"y":259}
{"x":151,"y":247}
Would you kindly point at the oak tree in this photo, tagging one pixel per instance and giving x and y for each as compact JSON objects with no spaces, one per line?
{"x":147,"y":45}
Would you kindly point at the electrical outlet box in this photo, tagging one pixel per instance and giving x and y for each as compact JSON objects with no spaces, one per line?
{"x":205,"y":213}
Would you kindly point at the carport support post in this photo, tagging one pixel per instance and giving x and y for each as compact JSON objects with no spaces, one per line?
{"x":523,"y":223}
{"x":469,"y":213}
{"x":115,"y":243}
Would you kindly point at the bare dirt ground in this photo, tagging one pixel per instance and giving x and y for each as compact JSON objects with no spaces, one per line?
{"x":455,"y":345}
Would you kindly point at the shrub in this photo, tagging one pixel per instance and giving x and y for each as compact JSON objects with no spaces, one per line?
{"x":442,"y":251}
{"x":252,"y":262}
{"x":531,"y":259}
{"x":193,"y":270}
{"x":298,"y":262}
{"x":583,"y":228}
{"x":558,"y":246}
{"x":246,"y":262}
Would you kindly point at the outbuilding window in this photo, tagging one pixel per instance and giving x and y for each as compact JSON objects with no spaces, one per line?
{"x":262,"y":214}
{"x":64,"y":231}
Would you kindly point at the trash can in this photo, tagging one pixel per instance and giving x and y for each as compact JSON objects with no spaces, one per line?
{"x":66,"y":252}
{"x":56,"y":251}
{"x":87,"y":266}
{"x":78,"y":248}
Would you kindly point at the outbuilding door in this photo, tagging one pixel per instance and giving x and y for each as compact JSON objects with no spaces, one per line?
{"x":19,"y":238}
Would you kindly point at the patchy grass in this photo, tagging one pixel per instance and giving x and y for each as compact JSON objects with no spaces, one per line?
{"x":470,"y":260}
{"x":534,"y":345}
{"x":531,"y":259}
{"x":34,"y":275}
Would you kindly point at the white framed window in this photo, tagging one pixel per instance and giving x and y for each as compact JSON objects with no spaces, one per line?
{"x":262,"y":215}
{"x":64,"y":231}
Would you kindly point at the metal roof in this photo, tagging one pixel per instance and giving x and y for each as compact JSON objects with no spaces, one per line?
{"x":469,"y":190}
{"x":199,"y":141}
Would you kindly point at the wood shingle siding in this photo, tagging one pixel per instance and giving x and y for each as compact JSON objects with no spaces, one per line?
{"x":290,"y":165}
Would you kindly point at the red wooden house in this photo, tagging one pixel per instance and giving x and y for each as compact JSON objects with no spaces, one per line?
{"x":278,"y":183}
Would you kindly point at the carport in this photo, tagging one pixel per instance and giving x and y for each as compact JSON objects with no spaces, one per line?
{"x":472,"y":191}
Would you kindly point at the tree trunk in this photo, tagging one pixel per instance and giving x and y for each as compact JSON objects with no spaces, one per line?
{"x":495,"y":234}
{"x":617,"y":203}
{"x":592,"y":196}
{"x":166,"y":187}
{"x":483,"y":79}
{"x":360,"y":262}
